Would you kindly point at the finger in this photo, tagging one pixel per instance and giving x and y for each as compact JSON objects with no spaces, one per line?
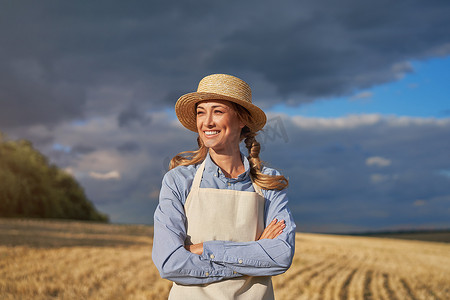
{"x":280,"y":232}
{"x":276,"y":231}
{"x":273,"y":230}
{"x":267,"y":229}
{"x":278,"y":228}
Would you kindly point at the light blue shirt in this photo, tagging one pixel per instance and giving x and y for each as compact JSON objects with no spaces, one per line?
{"x":220,"y":259}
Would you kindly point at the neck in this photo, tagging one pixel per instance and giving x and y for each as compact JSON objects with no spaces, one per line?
{"x":230,"y":164}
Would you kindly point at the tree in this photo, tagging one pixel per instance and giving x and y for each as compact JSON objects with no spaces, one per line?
{"x":32,"y":187}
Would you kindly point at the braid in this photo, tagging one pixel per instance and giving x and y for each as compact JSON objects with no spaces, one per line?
{"x":265,"y":181}
{"x":253,"y":148}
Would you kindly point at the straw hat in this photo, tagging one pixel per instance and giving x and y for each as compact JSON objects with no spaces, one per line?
{"x":219,"y":87}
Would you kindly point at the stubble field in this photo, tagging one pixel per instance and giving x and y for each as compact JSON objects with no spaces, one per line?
{"x":76,"y":260}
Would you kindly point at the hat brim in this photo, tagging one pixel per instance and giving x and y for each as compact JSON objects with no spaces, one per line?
{"x":185,"y":110}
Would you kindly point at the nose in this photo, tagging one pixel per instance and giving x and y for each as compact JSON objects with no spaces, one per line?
{"x":209,"y":121}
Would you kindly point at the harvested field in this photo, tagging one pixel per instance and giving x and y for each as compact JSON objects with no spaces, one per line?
{"x":76,"y":260}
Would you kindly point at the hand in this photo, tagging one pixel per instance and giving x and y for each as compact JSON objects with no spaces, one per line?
{"x":273,"y":230}
{"x":196,"y":248}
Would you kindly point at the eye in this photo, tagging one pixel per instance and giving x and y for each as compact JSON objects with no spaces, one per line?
{"x":218,"y":111}
{"x":199,"y":112}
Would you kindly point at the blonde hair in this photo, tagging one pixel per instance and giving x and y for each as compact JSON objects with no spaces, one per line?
{"x":265,"y":181}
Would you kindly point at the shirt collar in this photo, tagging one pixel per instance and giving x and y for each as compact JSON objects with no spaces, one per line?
{"x":212,"y":168}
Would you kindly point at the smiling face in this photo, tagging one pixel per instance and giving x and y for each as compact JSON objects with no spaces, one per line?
{"x":218,"y":125}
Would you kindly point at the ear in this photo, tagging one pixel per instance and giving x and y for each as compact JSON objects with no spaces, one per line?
{"x":241,"y":124}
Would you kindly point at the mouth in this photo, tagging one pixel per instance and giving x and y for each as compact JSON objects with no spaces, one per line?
{"x":211,"y":133}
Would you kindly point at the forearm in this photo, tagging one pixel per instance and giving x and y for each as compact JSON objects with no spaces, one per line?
{"x":177,"y":264}
{"x":265,"y":257}
{"x":271,"y":255}
{"x":189,"y":269}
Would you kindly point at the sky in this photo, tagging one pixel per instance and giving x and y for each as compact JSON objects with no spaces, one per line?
{"x":356,"y":94}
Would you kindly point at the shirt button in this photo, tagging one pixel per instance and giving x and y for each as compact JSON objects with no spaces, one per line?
{"x":234,"y":272}
{"x":212,"y":256}
{"x":207,"y":274}
{"x":240,"y":261}
{"x":229,"y":184}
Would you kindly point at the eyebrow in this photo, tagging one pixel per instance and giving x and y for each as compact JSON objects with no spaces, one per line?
{"x":214,"y":106}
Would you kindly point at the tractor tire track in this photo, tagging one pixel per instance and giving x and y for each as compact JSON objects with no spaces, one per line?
{"x":343,"y":293}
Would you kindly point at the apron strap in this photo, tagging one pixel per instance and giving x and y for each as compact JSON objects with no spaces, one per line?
{"x":198,"y":175}
{"x":257,"y":187}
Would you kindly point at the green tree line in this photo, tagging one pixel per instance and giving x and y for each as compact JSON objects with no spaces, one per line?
{"x":31,"y":187}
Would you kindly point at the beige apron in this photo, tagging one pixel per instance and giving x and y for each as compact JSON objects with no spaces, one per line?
{"x":226,"y":215}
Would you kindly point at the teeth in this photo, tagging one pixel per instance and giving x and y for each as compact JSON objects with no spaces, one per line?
{"x":211,"y":132}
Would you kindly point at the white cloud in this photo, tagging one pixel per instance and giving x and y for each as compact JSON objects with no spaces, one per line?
{"x":112,"y":175}
{"x":401,"y":69}
{"x":378,"y":161}
{"x":102,"y":161}
{"x":441,"y":50}
{"x":362,"y":95}
{"x":364,"y":120}
{"x":348,"y":122}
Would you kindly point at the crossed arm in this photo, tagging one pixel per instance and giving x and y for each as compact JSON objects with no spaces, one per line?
{"x":274,"y":229}
{"x":213,"y":261}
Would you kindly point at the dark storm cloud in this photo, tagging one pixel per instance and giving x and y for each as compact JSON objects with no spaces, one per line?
{"x":132,"y":115}
{"x":140,"y":156}
{"x":89,"y":84}
{"x":335,"y":48}
{"x":57,"y":58}
{"x":83,"y":149}
{"x":66,"y":61}
{"x":353,"y":173}
{"x":333,"y":185}
{"x":128,"y":147}
{"x":27,"y":97}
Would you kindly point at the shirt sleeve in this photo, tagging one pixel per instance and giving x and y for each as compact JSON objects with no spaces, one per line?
{"x":172,"y":260}
{"x":265,"y":257}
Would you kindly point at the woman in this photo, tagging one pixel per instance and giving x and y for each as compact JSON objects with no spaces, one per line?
{"x":222,"y":227}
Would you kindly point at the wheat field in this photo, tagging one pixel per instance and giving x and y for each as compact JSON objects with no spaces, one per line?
{"x":77,"y":260}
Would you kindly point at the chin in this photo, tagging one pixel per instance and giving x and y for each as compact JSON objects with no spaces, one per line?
{"x":213,"y":146}
{"x":210,"y":143}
